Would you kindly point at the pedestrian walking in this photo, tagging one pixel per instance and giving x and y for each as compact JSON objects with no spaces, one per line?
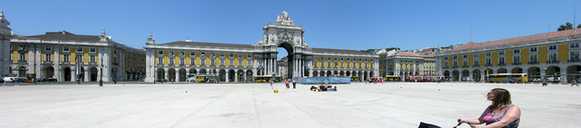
{"x":294,"y":84}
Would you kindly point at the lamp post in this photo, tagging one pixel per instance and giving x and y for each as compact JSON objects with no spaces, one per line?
{"x":101,"y":70}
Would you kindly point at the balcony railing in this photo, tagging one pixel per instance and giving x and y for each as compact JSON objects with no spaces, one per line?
{"x":553,"y":62}
{"x":476,"y":65}
{"x":534,"y":62}
{"x":516,"y":63}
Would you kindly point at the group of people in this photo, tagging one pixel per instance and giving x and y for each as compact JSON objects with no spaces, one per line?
{"x":323,"y":88}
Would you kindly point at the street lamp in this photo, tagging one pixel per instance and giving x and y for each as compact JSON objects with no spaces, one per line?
{"x":101,"y":70}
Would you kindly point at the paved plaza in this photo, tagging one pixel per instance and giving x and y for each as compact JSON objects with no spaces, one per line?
{"x":391,"y":105}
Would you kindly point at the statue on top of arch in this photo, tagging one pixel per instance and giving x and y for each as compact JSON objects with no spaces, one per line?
{"x":284,"y":19}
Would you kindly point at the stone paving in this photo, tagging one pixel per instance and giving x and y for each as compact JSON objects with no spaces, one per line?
{"x":388,"y":105}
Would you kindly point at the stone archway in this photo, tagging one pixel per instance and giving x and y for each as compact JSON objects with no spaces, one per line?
{"x":93,"y":72}
{"x":516,"y":70}
{"x":455,"y":75}
{"x":48,"y":72}
{"x":447,"y":75}
{"x":501,"y":70}
{"x":289,"y":60}
{"x":476,"y":75}
{"x":231,"y":74}
{"x":534,"y":74}
{"x":67,"y":73}
{"x":465,"y":75}
{"x":222,"y":75}
{"x":160,"y":74}
{"x":574,"y":73}
{"x":171,"y":75}
{"x":240,"y":74}
{"x":182,"y":75}
{"x":553,"y":73}
{"x":249,"y":77}
{"x":193,"y":72}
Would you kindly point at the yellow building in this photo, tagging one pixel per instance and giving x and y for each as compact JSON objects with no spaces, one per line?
{"x":227,"y":62}
{"x":64,"y":56}
{"x":552,"y":56}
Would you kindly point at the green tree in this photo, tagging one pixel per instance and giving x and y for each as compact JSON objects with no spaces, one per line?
{"x":566,"y":26}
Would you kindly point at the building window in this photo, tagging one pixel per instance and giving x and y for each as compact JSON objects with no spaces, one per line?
{"x":516,"y":57}
{"x":171,"y":58}
{"x":574,"y":45}
{"x":476,"y":60}
{"x":455,"y":61}
{"x":66,"y":58}
{"x":231,"y":59}
{"x":66,"y":50}
{"x":193,"y":58}
{"x":553,"y":54}
{"x":203,"y":57}
{"x":501,"y":58}
{"x":488,"y":60}
{"x":79,"y":50}
{"x":93,"y":59}
{"x":160,"y":57}
{"x":48,"y":57}
{"x":182,"y":55}
{"x":222,"y":59}
{"x":465,"y":60}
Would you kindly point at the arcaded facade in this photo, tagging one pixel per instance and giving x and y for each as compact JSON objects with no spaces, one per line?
{"x":231,"y":62}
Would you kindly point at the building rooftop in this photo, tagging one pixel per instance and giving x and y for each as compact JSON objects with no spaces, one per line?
{"x":207,"y":45}
{"x":521,"y":40}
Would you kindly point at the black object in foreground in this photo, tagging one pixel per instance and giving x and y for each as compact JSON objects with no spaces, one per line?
{"x":427,"y":125}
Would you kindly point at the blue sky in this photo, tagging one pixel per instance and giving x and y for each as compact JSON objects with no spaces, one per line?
{"x":356,"y":24}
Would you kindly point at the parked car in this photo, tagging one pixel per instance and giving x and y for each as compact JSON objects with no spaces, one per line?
{"x":14,"y":79}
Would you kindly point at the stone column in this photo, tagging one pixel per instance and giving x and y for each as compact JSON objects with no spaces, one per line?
{"x":235,"y":76}
{"x":73,"y":74}
{"x":86,"y":74}
{"x":227,"y":75}
{"x":177,"y":74}
{"x":245,"y":76}
{"x":563,"y":74}
{"x":543,"y":75}
{"x":166,"y":74}
{"x":57,"y":67}
{"x":482,"y":77}
{"x":37,"y":62}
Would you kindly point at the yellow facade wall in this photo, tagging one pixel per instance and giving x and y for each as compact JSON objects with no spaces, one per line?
{"x":450,"y":58}
{"x":188,"y":58}
{"x":471,"y":59}
{"x":494,"y":58}
{"x":543,"y":54}
{"x":236,"y":62}
{"x":165,"y":57}
{"x":245,"y":60}
{"x":563,"y":53}
{"x":198,"y":59}
{"x":524,"y":55}
{"x":217,"y":60}
{"x":508,"y":56}
{"x":482,"y":59}
{"x":227,"y":60}
{"x":73,"y":56}
{"x":460,"y":60}
{"x":86,"y":57}
{"x":208,"y":59}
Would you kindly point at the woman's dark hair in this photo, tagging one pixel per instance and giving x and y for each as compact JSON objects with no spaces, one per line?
{"x":501,"y":98}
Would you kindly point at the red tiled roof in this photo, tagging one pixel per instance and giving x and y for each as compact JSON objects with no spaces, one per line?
{"x":518,"y":40}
